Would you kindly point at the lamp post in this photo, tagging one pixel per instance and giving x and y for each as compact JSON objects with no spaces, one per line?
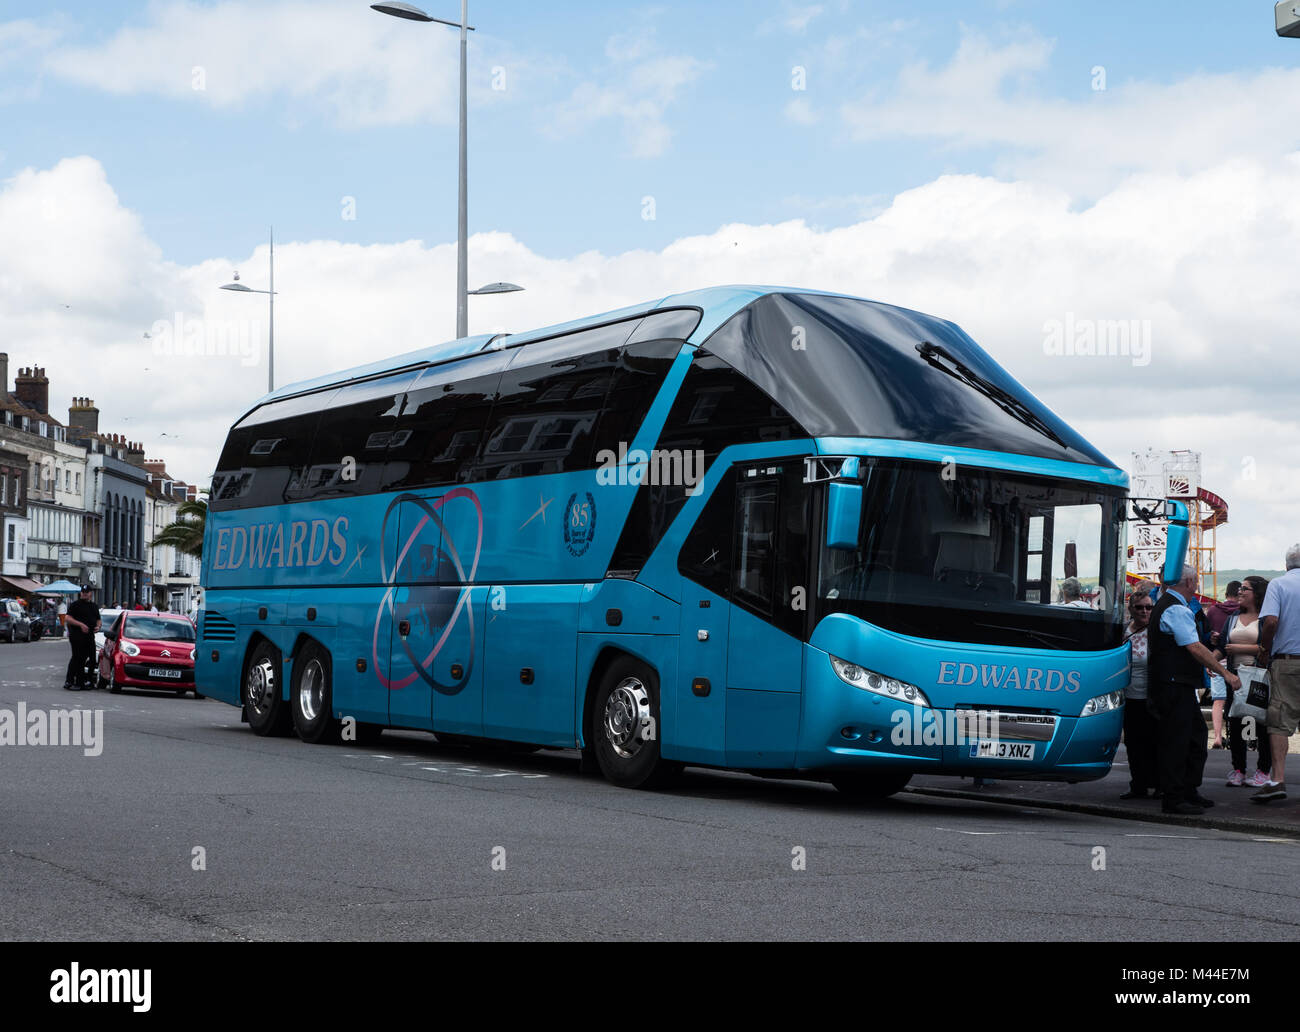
{"x":1286,"y":18}
{"x":398,"y":10}
{"x":270,"y":351}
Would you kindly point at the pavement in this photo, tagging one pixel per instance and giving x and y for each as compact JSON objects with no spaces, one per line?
{"x":1232,"y":810}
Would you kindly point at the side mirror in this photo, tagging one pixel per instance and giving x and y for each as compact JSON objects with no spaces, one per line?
{"x":843,"y":515}
{"x":1177,"y":540}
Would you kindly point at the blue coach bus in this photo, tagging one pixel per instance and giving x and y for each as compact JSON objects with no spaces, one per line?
{"x":749,"y":528}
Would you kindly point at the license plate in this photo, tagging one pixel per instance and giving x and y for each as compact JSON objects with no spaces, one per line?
{"x":165,"y":672}
{"x":1002,"y":750}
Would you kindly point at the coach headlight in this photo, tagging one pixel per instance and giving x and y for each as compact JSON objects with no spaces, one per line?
{"x":1103,"y":703}
{"x":878,"y":684}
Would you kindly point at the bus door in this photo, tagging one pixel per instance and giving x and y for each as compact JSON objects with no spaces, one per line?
{"x":769,"y":593}
{"x":434,"y":622}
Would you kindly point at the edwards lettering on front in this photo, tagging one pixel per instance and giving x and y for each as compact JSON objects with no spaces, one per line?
{"x":1001,"y":675}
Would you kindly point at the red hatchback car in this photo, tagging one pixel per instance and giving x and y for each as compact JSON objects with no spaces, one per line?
{"x":148,"y":650}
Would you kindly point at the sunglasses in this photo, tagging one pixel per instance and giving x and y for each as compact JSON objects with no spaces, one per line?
{"x":1143,"y":607}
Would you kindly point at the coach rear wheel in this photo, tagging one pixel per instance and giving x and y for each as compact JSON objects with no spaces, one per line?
{"x":625,"y":726}
{"x":267,"y":712}
{"x":868,"y":785}
{"x":312,"y":695}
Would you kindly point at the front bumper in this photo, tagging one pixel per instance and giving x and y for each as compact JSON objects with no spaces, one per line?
{"x":845,"y":727}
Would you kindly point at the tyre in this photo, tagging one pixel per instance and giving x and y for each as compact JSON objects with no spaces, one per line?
{"x":625,"y":722}
{"x":268,"y":714}
{"x":113,"y":686}
{"x":197,"y":695}
{"x":868,"y":785}
{"x":311,"y":695}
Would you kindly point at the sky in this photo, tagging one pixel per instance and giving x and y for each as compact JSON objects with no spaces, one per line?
{"x":1044,"y":174}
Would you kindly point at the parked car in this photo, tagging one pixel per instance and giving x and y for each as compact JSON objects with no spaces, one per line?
{"x":106,"y":619}
{"x":148,"y":650}
{"x":15,"y":625}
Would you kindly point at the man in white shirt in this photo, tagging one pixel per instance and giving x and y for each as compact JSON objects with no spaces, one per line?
{"x":1279,"y":650}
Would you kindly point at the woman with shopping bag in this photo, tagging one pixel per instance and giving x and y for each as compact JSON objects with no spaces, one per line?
{"x":1240,"y":651}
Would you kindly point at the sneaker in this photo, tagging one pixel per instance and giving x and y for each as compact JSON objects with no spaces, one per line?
{"x":1201,"y":801}
{"x":1258,"y":780}
{"x":1236,"y":779}
{"x":1271,"y":791}
{"x":1185,"y":809}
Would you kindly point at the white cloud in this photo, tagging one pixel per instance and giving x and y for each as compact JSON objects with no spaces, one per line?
{"x":800,"y":112}
{"x":987,"y":96}
{"x":1207,"y":258}
{"x":363,"y":68}
{"x":636,"y":88}
{"x":799,"y":18}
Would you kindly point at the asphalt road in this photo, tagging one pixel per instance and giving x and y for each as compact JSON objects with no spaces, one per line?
{"x":399,"y":842}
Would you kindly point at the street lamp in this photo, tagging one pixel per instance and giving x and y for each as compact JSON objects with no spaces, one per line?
{"x":498,"y":288}
{"x":1286,"y":17}
{"x":270,"y":351}
{"x":410,"y":13}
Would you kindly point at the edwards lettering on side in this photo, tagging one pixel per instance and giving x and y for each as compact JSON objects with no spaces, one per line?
{"x":998,"y":675}
{"x":280,"y":546}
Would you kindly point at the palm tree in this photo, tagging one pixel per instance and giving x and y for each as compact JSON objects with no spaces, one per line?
{"x":185,"y":534}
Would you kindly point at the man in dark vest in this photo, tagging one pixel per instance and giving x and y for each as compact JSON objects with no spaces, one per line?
{"x":1176,"y":659}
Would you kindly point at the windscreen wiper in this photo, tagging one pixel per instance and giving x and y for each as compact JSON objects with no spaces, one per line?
{"x":1000,"y":396}
{"x":1045,"y":637}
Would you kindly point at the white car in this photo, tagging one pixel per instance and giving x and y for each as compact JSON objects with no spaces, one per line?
{"x":106,"y":619}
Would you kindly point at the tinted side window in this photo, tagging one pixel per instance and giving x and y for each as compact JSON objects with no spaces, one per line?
{"x":266,"y":456}
{"x":715,"y":408}
{"x":772,"y":565}
{"x":757,"y":504}
{"x":636,"y":378}
{"x":355,"y":438}
{"x":440,"y":429}
{"x":545,"y":417}
{"x":706,"y":553}
{"x":675,"y":323}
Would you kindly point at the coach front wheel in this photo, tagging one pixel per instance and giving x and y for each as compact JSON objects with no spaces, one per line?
{"x":312,"y":695}
{"x":267,"y":712}
{"x":625,"y":727}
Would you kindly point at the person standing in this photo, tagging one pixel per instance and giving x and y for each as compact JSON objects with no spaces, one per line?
{"x":63,"y":613}
{"x":83,"y":622}
{"x":1279,"y":649}
{"x":1177,"y":660}
{"x":1221,"y":612}
{"x":1139,"y":727}
{"x":1240,"y":650}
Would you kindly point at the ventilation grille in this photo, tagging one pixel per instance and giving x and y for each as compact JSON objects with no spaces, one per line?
{"x":217,"y":628}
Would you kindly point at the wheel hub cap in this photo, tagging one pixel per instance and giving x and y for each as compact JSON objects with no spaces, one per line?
{"x":627,"y":717}
{"x":311,"y":690}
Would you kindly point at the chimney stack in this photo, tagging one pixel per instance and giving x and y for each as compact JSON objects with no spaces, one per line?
{"x":32,"y":388}
{"x":135,"y":454}
{"x":4,"y":373}
{"x":83,"y":415}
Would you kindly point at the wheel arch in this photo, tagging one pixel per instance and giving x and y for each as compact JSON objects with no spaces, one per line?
{"x":605,"y":658}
